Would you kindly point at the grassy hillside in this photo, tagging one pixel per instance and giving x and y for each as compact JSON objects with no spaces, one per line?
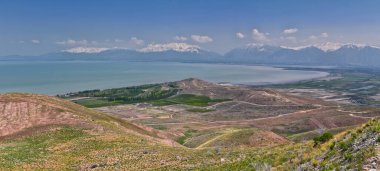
{"x":350,"y":150}
{"x":230,"y":137}
{"x":97,"y":140}
{"x":356,"y":149}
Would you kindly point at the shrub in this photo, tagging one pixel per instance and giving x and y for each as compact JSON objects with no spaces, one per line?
{"x":332,"y":145}
{"x":344,"y":146}
{"x":348,"y":156}
{"x":181,"y":140}
{"x":323,"y":138}
{"x":314,"y":162}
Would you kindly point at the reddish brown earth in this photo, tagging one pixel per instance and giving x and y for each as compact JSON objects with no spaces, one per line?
{"x":272,"y":110}
{"x":19,"y":112}
{"x":25,"y":114}
{"x":259,"y":96}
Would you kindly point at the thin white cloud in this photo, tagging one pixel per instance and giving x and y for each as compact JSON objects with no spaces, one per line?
{"x":71,"y":42}
{"x":201,"y":39}
{"x":240,"y":35}
{"x":259,"y":36}
{"x":35,"y":41}
{"x":180,"y":38}
{"x":313,"y":37}
{"x":290,"y":39}
{"x":179,"y":47}
{"x":136,"y":41}
{"x":324,"y":35}
{"x":290,"y":31}
{"x":85,"y":50}
{"x":117,"y":40}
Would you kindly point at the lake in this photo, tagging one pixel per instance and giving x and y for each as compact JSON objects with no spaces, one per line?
{"x":63,"y":77}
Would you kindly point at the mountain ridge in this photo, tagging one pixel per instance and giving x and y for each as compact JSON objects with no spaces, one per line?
{"x":328,"y":54}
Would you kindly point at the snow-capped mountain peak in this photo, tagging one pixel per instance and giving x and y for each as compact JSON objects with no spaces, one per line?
{"x":86,"y":50}
{"x":179,"y":47}
{"x":260,"y":47}
{"x":296,"y":48}
{"x":354,"y":46}
{"x":331,"y":46}
{"x":328,"y":46}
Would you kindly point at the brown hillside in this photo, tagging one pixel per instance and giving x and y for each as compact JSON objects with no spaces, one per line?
{"x":258,"y":96}
{"x":22,"y":113}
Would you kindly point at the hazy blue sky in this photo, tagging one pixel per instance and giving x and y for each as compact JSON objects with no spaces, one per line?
{"x":41,"y":26}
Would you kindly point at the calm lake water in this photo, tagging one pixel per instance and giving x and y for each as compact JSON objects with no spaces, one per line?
{"x":62,"y":77}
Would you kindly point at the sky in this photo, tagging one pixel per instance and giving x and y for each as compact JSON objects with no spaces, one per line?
{"x":43,"y":26}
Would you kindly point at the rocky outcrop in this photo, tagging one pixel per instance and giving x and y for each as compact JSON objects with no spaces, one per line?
{"x":373,"y":163}
{"x":357,"y":150}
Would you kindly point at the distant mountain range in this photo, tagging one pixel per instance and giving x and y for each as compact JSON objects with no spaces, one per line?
{"x":175,"y":52}
{"x":348,"y":54}
{"x":325,"y":54}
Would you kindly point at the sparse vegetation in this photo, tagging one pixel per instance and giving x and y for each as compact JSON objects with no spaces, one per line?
{"x":160,"y":127}
{"x":92,"y":103}
{"x":358,"y":85}
{"x":323,"y":138}
{"x":200,"y":110}
{"x":35,"y":148}
{"x":109,"y":142}
{"x":187,"y":134}
{"x":350,"y":150}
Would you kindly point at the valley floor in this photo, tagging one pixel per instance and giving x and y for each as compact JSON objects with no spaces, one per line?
{"x":188,"y":124}
{"x":290,"y":116}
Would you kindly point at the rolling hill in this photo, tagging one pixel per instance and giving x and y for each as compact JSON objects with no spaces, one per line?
{"x":43,"y":132}
{"x":40,"y":132}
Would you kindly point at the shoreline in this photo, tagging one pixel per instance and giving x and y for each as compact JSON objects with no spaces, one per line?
{"x":263,"y":84}
{"x":245,"y":80}
{"x":232,"y":84}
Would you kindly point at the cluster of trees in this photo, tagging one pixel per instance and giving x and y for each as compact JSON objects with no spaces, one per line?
{"x":115,"y":92}
{"x":148,"y":96}
{"x":132,"y":94}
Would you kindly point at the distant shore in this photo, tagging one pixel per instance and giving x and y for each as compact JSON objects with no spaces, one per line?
{"x":62,"y":77}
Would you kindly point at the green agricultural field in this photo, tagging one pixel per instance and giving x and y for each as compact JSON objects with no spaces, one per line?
{"x":187,"y":99}
{"x":125,"y":95}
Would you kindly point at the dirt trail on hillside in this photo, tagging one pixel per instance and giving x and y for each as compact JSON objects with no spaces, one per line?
{"x":238,"y":122}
